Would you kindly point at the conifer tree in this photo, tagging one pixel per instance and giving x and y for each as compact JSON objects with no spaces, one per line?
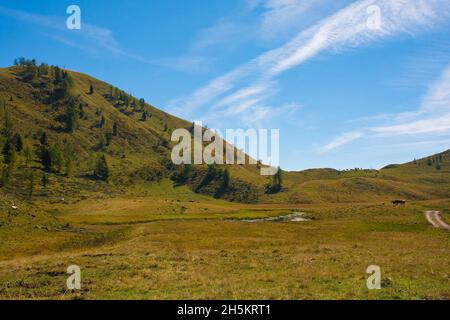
{"x":102,"y":170}
{"x":43,"y":139}
{"x":115,"y":130}
{"x":28,"y":152}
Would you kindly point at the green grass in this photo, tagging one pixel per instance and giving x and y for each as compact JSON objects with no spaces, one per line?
{"x":324,"y":258}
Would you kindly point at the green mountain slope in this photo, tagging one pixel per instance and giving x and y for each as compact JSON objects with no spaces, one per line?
{"x":133,"y":136}
{"x":77,"y":137}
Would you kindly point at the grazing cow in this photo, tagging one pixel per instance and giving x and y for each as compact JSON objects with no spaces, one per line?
{"x":399,"y":202}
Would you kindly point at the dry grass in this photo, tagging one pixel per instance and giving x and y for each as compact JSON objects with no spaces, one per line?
{"x":325,"y":258}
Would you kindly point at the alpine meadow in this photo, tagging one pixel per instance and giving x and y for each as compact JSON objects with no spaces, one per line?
{"x":89,"y":184}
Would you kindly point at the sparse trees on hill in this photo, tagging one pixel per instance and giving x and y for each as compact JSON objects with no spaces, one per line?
{"x":9,"y":154}
{"x":52,"y":158}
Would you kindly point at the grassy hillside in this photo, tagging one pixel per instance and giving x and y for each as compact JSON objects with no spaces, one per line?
{"x":421,"y":179}
{"x":85,"y":120}
{"x":82,"y":123}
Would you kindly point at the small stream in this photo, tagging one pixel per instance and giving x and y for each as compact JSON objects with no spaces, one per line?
{"x":294,"y":217}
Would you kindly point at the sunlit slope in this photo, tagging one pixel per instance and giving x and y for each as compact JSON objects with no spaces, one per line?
{"x":138,"y":154}
{"x":422,"y":179}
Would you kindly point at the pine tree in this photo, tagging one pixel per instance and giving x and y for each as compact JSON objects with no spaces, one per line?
{"x":144,"y":116}
{"x":81,"y":111}
{"x":57,"y":158}
{"x":102,"y":122}
{"x":91,"y":89}
{"x":115,"y":129}
{"x":277,"y":182}
{"x":46,"y":159}
{"x":72,"y":117}
{"x":28,"y":152}
{"x":9,"y":154}
{"x":18,"y":142}
{"x":43,"y":139}
{"x":102,"y":170}
{"x":226,"y":179}
{"x":186,"y":172}
{"x":52,"y":159}
{"x":108,"y":138}
{"x":5,"y":176}
{"x":279,"y":178}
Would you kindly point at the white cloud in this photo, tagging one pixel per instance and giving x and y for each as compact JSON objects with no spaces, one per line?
{"x":439,"y":124}
{"x":431,"y":119}
{"x":341,"y":140}
{"x":241,"y":94}
{"x":345,"y":29}
{"x":281,"y":15}
{"x":433,"y":115}
{"x":438,"y":97}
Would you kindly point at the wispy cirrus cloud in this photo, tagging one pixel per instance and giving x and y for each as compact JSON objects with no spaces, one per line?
{"x":341,"y":140}
{"x":433,"y":116}
{"x":344,"y":30}
{"x":431,"y":119}
{"x":93,"y":39}
{"x":97,"y":37}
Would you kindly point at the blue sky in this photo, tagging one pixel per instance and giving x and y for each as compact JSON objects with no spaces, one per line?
{"x":342,"y":93}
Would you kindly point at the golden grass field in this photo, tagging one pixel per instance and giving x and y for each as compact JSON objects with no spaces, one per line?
{"x":150,"y":248}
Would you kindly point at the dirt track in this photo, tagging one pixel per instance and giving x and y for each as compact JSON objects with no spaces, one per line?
{"x":435,"y":218}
